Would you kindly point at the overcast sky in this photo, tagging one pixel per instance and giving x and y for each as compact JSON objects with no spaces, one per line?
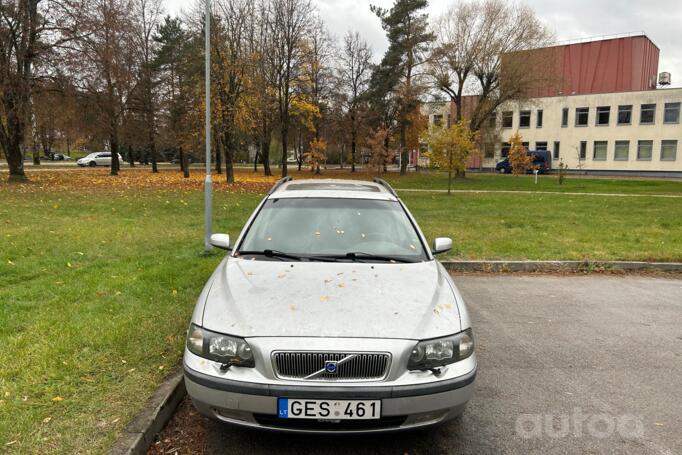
{"x":567,"y":19}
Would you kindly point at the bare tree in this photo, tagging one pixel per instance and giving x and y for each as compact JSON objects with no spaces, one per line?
{"x":286,"y":23}
{"x":474,"y":54}
{"x":147,"y":19}
{"x":104,"y":64}
{"x":355,"y":65}
{"x":29,"y":31}
{"x":234,"y":27}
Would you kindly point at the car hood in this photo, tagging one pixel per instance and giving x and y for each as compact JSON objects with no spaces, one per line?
{"x":312,"y":299}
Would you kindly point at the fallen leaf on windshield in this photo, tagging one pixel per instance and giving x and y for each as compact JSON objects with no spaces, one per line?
{"x":327,"y":281}
{"x":292,"y":307}
{"x":324,"y":298}
{"x":317,"y":234}
{"x":342,"y":285}
{"x":436,"y":312}
{"x":281,"y":275}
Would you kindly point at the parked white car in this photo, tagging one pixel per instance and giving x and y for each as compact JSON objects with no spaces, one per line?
{"x":330,"y":314}
{"x":98,"y":159}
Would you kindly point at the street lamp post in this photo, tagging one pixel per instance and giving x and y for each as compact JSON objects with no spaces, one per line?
{"x":208,"y":182}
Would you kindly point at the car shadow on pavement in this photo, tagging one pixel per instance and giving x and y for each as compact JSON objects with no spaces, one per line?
{"x":225,"y":439}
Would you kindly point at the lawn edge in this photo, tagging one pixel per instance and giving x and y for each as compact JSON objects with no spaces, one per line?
{"x":562,"y":266}
{"x":140,"y":433}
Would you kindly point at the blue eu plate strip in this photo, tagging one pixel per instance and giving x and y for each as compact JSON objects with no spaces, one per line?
{"x":283,"y":408}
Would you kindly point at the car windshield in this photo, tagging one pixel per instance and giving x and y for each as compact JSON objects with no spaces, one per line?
{"x":334,"y":227}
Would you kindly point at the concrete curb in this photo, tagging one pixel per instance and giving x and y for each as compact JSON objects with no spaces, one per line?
{"x":139,"y":435}
{"x":561,"y":266}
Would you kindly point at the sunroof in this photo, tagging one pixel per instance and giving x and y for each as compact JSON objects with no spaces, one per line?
{"x":328,"y":186}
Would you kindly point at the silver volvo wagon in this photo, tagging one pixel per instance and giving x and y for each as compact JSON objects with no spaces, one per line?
{"x":330,"y":314}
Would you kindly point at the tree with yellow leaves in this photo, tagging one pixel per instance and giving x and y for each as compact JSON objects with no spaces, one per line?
{"x":519,"y":159}
{"x":316,"y":155}
{"x":450,"y":147}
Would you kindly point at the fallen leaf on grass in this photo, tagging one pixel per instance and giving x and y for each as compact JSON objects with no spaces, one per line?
{"x":47,"y":419}
{"x":57,"y":399}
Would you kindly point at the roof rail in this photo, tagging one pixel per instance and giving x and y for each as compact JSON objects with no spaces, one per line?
{"x":279,"y":183}
{"x":385,"y":184}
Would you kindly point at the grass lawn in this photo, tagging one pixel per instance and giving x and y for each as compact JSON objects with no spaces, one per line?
{"x":98,"y":278}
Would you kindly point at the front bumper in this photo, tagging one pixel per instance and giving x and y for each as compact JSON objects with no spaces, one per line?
{"x":406,"y":403}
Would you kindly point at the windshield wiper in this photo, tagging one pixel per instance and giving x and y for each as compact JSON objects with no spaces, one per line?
{"x":272,"y":254}
{"x":282,"y":255}
{"x":359,"y":255}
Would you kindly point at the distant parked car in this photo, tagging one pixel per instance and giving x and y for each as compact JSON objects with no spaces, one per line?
{"x":98,"y":159}
{"x":542,"y":161}
{"x":176,"y":160}
{"x":60,"y":157}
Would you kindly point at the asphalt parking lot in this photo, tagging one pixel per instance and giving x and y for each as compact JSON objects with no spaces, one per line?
{"x":567,"y":365}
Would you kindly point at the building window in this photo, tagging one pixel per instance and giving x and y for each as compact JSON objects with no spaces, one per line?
{"x":564,"y":117}
{"x":492,"y":120}
{"x":524,"y":119}
{"x":672,"y":113}
{"x":526,"y":145}
{"x":541,"y":146}
{"x":504,"y":151}
{"x":647,"y":114}
{"x":582,"y":115}
{"x":599,"y":153}
{"x":625,"y":114}
{"x":603,"y":114}
{"x":489,"y":151}
{"x":583,"y":150}
{"x":507,"y":119}
{"x":438,"y":119}
{"x":644,"y":150}
{"x":621,"y":151}
{"x":538,"y":122}
{"x":669,"y":150}
{"x":557,"y":146}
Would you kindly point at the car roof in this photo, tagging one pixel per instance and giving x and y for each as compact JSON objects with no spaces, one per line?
{"x":333,"y":188}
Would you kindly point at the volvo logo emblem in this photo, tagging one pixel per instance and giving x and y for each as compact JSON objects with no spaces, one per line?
{"x":331,"y":367}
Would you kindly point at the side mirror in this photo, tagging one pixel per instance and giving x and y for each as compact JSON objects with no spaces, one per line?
{"x":442,"y":245}
{"x":221,"y":241}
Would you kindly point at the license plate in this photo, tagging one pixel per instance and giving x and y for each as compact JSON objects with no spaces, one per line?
{"x":293,"y":408}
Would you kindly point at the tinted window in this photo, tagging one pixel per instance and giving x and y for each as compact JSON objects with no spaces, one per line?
{"x":625,"y":114}
{"x":507,"y":119}
{"x":603,"y":114}
{"x":582,"y":116}
{"x":672,"y":113}
{"x":524,"y":119}
{"x":648,"y":113}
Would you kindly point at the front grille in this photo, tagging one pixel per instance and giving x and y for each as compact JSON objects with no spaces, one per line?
{"x":351,"y":366}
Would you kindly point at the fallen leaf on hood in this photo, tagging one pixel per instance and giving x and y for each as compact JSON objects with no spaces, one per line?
{"x":292,"y":307}
{"x":342,"y":285}
{"x":324,"y":298}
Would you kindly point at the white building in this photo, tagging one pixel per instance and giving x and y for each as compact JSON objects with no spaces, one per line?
{"x":620,"y":132}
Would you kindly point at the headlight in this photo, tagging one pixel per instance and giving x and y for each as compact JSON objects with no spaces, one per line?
{"x":441,"y":351}
{"x":225,"y":349}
